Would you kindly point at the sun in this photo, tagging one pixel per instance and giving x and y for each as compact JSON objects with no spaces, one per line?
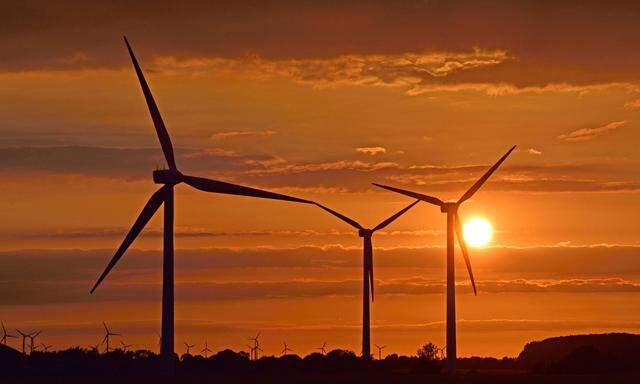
{"x":477,"y":231}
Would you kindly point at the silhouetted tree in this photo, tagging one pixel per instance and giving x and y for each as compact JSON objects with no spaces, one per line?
{"x":428,"y":351}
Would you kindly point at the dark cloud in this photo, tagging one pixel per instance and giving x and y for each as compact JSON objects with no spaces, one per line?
{"x":132,"y":163}
{"x":345,"y":175}
{"x":66,"y":275}
{"x":569,"y":42}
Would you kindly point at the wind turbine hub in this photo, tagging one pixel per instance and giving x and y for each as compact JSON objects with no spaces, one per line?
{"x":449,"y":207}
{"x":365,"y":232}
{"x":167,"y":176}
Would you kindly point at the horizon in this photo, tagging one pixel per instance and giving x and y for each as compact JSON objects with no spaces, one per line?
{"x":319,"y":101}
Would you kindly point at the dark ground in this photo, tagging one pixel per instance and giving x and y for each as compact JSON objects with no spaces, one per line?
{"x":583,"y":359}
{"x":476,"y":377}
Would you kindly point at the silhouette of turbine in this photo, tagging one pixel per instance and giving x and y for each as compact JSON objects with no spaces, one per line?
{"x":454,"y":228}
{"x":125,"y":346}
{"x":189,"y":346}
{"x":6,"y":335}
{"x":322,"y":349}
{"x":107,"y":337}
{"x":169,"y":178}
{"x":380,"y":348}
{"x":24,"y":338}
{"x":286,"y":349}
{"x":256,"y":346}
{"x":367,"y":275}
{"x":45,"y":347}
{"x":32,"y":338}
{"x":250,"y":351}
{"x":206,"y":349}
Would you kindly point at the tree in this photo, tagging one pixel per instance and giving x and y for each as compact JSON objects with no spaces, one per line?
{"x":428,"y":351}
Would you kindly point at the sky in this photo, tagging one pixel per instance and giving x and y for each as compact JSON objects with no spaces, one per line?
{"x":319,"y":100}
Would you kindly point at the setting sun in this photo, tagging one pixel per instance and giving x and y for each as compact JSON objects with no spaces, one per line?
{"x":478,"y":231}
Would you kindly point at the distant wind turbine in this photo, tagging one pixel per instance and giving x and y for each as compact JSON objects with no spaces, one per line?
{"x":380,"y":348}
{"x":24,"y":338}
{"x":189,"y":346}
{"x":45,"y":347}
{"x":6,"y":335}
{"x":250,"y":351}
{"x":125,"y":346}
{"x":322,"y":349}
{"x":32,"y":338}
{"x":169,"y":178}
{"x":454,"y":227}
{"x":206,"y":349}
{"x":367,"y":277}
{"x":286,"y":349}
{"x":107,"y":336}
{"x":256,"y":346}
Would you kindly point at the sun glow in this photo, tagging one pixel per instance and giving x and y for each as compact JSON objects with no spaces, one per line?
{"x":477,"y":231}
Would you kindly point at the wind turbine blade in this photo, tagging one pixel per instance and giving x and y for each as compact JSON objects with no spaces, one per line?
{"x":105,"y":327}
{"x":415,"y":195}
{"x":215,"y":186}
{"x":147,"y":213}
{"x":474,"y":188}
{"x":368,"y":252}
{"x":394,"y":217}
{"x":340,"y":216}
{"x":161,"y":130}
{"x":465,"y":252}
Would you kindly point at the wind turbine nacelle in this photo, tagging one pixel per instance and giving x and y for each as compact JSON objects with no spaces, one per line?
{"x":365,"y":233}
{"x":167,"y":176}
{"x":449,"y":206}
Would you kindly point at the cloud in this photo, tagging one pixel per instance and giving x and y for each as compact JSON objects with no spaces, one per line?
{"x":123,"y":163}
{"x":230,"y":134}
{"x":341,"y":176}
{"x":371,"y":150}
{"x":48,"y":291}
{"x":404,"y":45}
{"x":585,"y":134}
{"x":633,"y":104}
{"x":534,"y":152}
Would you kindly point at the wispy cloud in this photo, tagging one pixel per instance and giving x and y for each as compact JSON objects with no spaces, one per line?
{"x":633,"y":104}
{"x":584,"y":134}
{"x":371,"y":150}
{"x":230,"y":134}
{"x":533,"y":151}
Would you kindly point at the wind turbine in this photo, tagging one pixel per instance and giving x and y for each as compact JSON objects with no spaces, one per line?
{"x":380,"y":348}
{"x":367,"y":276}
{"x":107,"y":336}
{"x":256,"y":346}
{"x":32,"y":338}
{"x":5,"y":335}
{"x":24,"y":338}
{"x":250,"y":351}
{"x":189,"y":346}
{"x":125,"y":346}
{"x":286,"y":349}
{"x":45,"y":347}
{"x":169,"y":178}
{"x":454,"y":228}
{"x":206,"y":349}
{"x":322,"y":349}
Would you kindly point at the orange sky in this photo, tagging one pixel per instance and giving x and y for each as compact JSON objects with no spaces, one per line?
{"x":319,"y":101}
